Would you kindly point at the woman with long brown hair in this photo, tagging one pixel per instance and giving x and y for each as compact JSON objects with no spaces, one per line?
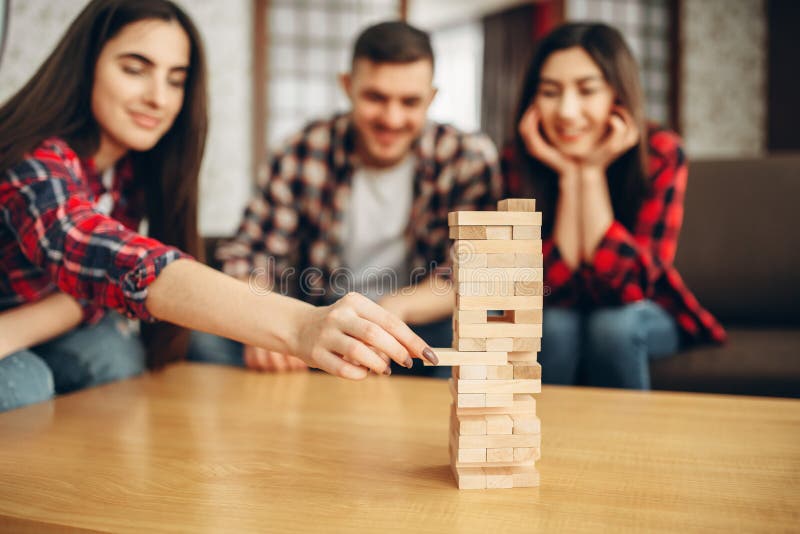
{"x":611,"y":191}
{"x":110,"y":131}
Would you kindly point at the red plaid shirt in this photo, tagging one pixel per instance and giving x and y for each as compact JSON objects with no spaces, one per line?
{"x":295,"y":219}
{"x":631,"y":266}
{"x":52,"y":237}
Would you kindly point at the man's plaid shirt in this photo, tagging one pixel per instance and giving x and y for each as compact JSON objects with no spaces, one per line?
{"x":295,"y":220}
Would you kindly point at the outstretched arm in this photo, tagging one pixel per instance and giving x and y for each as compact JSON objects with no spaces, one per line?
{"x":430,"y":300}
{"x":344,"y":339}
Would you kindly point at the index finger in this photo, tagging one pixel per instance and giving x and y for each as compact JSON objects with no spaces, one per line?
{"x":624,"y":113}
{"x":627,"y":118}
{"x":529,"y":123}
{"x":415,"y":345}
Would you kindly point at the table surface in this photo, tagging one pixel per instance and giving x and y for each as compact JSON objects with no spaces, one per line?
{"x":205,"y":448}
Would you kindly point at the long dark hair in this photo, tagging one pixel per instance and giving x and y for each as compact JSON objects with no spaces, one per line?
{"x":627,"y":175}
{"x":56,"y":102}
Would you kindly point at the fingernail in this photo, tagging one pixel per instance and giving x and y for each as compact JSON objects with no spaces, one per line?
{"x":409,"y":363}
{"x":430,"y":356}
{"x":388,"y":371}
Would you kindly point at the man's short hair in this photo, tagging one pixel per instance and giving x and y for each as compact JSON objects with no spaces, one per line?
{"x":393,"y":42}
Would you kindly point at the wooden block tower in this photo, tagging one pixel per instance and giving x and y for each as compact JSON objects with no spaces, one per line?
{"x":495,"y":436}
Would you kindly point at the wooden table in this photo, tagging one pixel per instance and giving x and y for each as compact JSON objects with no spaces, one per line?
{"x":204,"y":448}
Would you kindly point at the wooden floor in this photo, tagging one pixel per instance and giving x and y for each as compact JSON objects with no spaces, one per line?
{"x":212,"y":449}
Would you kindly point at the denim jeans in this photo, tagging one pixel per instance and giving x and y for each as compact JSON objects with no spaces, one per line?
{"x":84,"y":357}
{"x":608,"y":347}
{"x":208,"y":348}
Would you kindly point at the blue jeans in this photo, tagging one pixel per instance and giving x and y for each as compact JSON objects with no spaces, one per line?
{"x":208,"y":348}
{"x":84,"y":357}
{"x":608,"y":347}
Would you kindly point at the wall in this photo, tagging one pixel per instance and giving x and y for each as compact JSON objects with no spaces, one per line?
{"x":723,"y":77}
{"x":36,"y":25}
{"x":458,"y":52}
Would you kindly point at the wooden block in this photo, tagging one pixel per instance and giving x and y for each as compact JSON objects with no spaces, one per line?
{"x":467,"y":425}
{"x":454,"y":357}
{"x":523,"y":356}
{"x":499,"y":477}
{"x":530,"y":458}
{"x":522,"y":424}
{"x":470,"y":477}
{"x":468,"y":344}
{"x":467,"y":400}
{"x":500,"y":329}
{"x":470,"y":400}
{"x":468,"y":232}
{"x":525,"y":232}
{"x":506,"y":259}
{"x":464,"y":456}
{"x":499,"y":400}
{"x":499,"y":441}
{"x":483,"y":232}
{"x":499,"y":303}
{"x":529,"y":289}
{"x":517,"y":204}
{"x":500,"y":246}
{"x":523,"y":344}
{"x":471,"y":455}
{"x":487,"y":289}
{"x":524,"y":404}
{"x":526,"y":454}
{"x":499,"y":343}
{"x":499,"y":386}
{"x":499,"y":232}
{"x":475,"y":372}
{"x":525,"y":260}
{"x":472,"y":260}
{"x":521,"y":370}
{"x":470,"y":316}
{"x":498,"y":424}
{"x":494,"y":218}
{"x":505,"y":454}
{"x":525,"y":316}
{"x":498,"y":274}
{"x":538,"y":262}
{"x":524,"y":477}
{"x":498,"y":372}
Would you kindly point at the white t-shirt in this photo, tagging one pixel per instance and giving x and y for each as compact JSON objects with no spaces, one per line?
{"x":105,"y":203}
{"x":375,"y":251}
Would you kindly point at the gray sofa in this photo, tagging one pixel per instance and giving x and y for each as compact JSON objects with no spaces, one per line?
{"x":739,"y":252}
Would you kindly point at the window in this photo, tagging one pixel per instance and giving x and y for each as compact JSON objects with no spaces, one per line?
{"x":647,"y":27}
{"x":309,"y":42}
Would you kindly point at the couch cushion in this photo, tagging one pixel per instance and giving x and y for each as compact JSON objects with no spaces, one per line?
{"x":739,"y":251}
{"x":754,"y":362}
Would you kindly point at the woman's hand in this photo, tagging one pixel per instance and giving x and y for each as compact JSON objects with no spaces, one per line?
{"x":346,"y":339}
{"x":623,"y":135}
{"x":540,"y":148}
{"x":355,"y":335}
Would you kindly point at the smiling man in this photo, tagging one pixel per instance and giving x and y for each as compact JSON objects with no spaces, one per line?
{"x":359,"y":202}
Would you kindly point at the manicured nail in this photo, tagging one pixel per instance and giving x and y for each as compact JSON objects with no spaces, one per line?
{"x":409,"y":363}
{"x":388,"y":371}
{"x":430,"y":356}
